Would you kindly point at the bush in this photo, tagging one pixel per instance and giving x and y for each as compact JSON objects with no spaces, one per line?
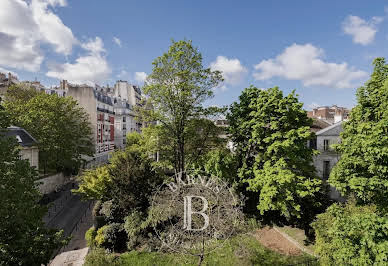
{"x":90,"y":236}
{"x":99,"y":257}
{"x":111,"y":236}
{"x":110,"y":210}
{"x":133,"y":228}
{"x":351,"y":235}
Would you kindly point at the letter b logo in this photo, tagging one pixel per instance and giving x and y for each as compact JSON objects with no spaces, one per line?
{"x":187,"y":221}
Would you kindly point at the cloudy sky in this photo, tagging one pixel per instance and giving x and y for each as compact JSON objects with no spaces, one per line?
{"x":322,"y":49}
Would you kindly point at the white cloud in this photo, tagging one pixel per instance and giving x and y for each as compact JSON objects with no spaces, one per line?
{"x":6,"y":71}
{"x":313,"y":105}
{"x":140,"y":76}
{"x":117,"y":41}
{"x":123,"y":74}
{"x":24,"y":26}
{"x":232,"y":70}
{"x":304,"y":63}
{"x":362,"y":31}
{"x":51,"y":27}
{"x":92,"y":68}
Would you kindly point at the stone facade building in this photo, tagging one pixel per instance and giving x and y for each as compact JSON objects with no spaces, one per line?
{"x":332,"y":115}
{"x":328,"y":157}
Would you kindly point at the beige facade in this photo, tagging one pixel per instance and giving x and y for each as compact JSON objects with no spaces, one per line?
{"x":31,"y":154}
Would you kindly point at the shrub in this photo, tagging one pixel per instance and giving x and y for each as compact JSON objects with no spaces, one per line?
{"x":111,"y":236}
{"x":132,"y":227}
{"x":110,"y":210}
{"x":351,"y":235}
{"x":90,"y":236}
{"x":99,"y":257}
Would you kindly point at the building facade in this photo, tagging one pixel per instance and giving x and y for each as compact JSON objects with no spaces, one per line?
{"x":332,"y":114}
{"x":327,"y":157}
{"x":28,"y":145}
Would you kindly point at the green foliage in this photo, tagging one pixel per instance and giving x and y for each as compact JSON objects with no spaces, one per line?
{"x":351,"y":235}
{"x":100,"y":257}
{"x":111,"y":236}
{"x":95,"y":183}
{"x":133,"y":228}
{"x":176,"y":90}
{"x":90,"y":236}
{"x":24,"y":240}
{"x":363,"y":167}
{"x":270,"y":132}
{"x":241,"y":250}
{"x":219,"y":162}
{"x":58,"y":123}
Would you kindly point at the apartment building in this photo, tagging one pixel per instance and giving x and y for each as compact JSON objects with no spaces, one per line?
{"x":99,"y":107}
{"x":327,"y":157}
{"x":332,"y":114}
{"x":7,"y":80}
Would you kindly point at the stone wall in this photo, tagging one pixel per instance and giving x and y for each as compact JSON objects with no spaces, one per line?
{"x":52,"y":182}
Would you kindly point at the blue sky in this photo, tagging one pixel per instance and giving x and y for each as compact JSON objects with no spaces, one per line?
{"x":322,"y":49}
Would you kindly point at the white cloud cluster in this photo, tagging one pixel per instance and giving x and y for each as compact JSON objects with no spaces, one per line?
{"x":91,"y":68}
{"x":117,"y":41}
{"x":232,"y":70}
{"x":24,"y":26}
{"x":140,"y":76}
{"x":362,"y":31}
{"x":304,"y":63}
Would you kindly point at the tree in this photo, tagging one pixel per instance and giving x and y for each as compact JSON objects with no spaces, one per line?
{"x":270,"y":132}
{"x":176,"y":89}
{"x":24,"y":240}
{"x":363,"y":167}
{"x":61,"y":127}
{"x":351,"y":235}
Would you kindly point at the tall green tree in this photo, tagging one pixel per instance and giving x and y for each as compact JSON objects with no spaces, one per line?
{"x":24,"y":240}
{"x":176,"y":89}
{"x":363,"y":167}
{"x":61,"y":127}
{"x":270,"y":132}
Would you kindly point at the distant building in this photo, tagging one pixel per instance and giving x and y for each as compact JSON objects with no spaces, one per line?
{"x":29,"y":146}
{"x":7,"y":80}
{"x":332,"y":115}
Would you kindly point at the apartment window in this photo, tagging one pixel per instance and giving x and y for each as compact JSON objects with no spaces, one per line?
{"x":326,"y":170}
{"x":313,"y":143}
{"x":124,"y":119}
{"x":325,"y":144}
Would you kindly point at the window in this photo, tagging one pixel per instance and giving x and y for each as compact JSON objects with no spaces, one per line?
{"x":313,"y":143}
{"x":124,"y":119}
{"x":326,"y":170}
{"x":325,"y":144}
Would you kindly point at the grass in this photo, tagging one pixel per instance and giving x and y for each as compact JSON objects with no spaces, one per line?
{"x":240,"y":250}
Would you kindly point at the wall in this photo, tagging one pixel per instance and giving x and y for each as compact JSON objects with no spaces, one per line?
{"x":32,"y":155}
{"x":50,"y":183}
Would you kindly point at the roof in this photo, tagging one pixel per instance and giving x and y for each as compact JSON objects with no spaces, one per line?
{"x":22,"y":136}
{"x":333,"y":130}
{"x":319,"y":124}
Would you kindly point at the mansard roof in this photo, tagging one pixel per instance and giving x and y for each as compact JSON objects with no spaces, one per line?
{"x":333,"y":130}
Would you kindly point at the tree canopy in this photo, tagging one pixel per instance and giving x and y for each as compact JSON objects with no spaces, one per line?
{"x":363,"y":167}
{"x":270,"y":132}
{"x":61,"y":127}
{"x":24,"y":240}
{"x":176,"y":89}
